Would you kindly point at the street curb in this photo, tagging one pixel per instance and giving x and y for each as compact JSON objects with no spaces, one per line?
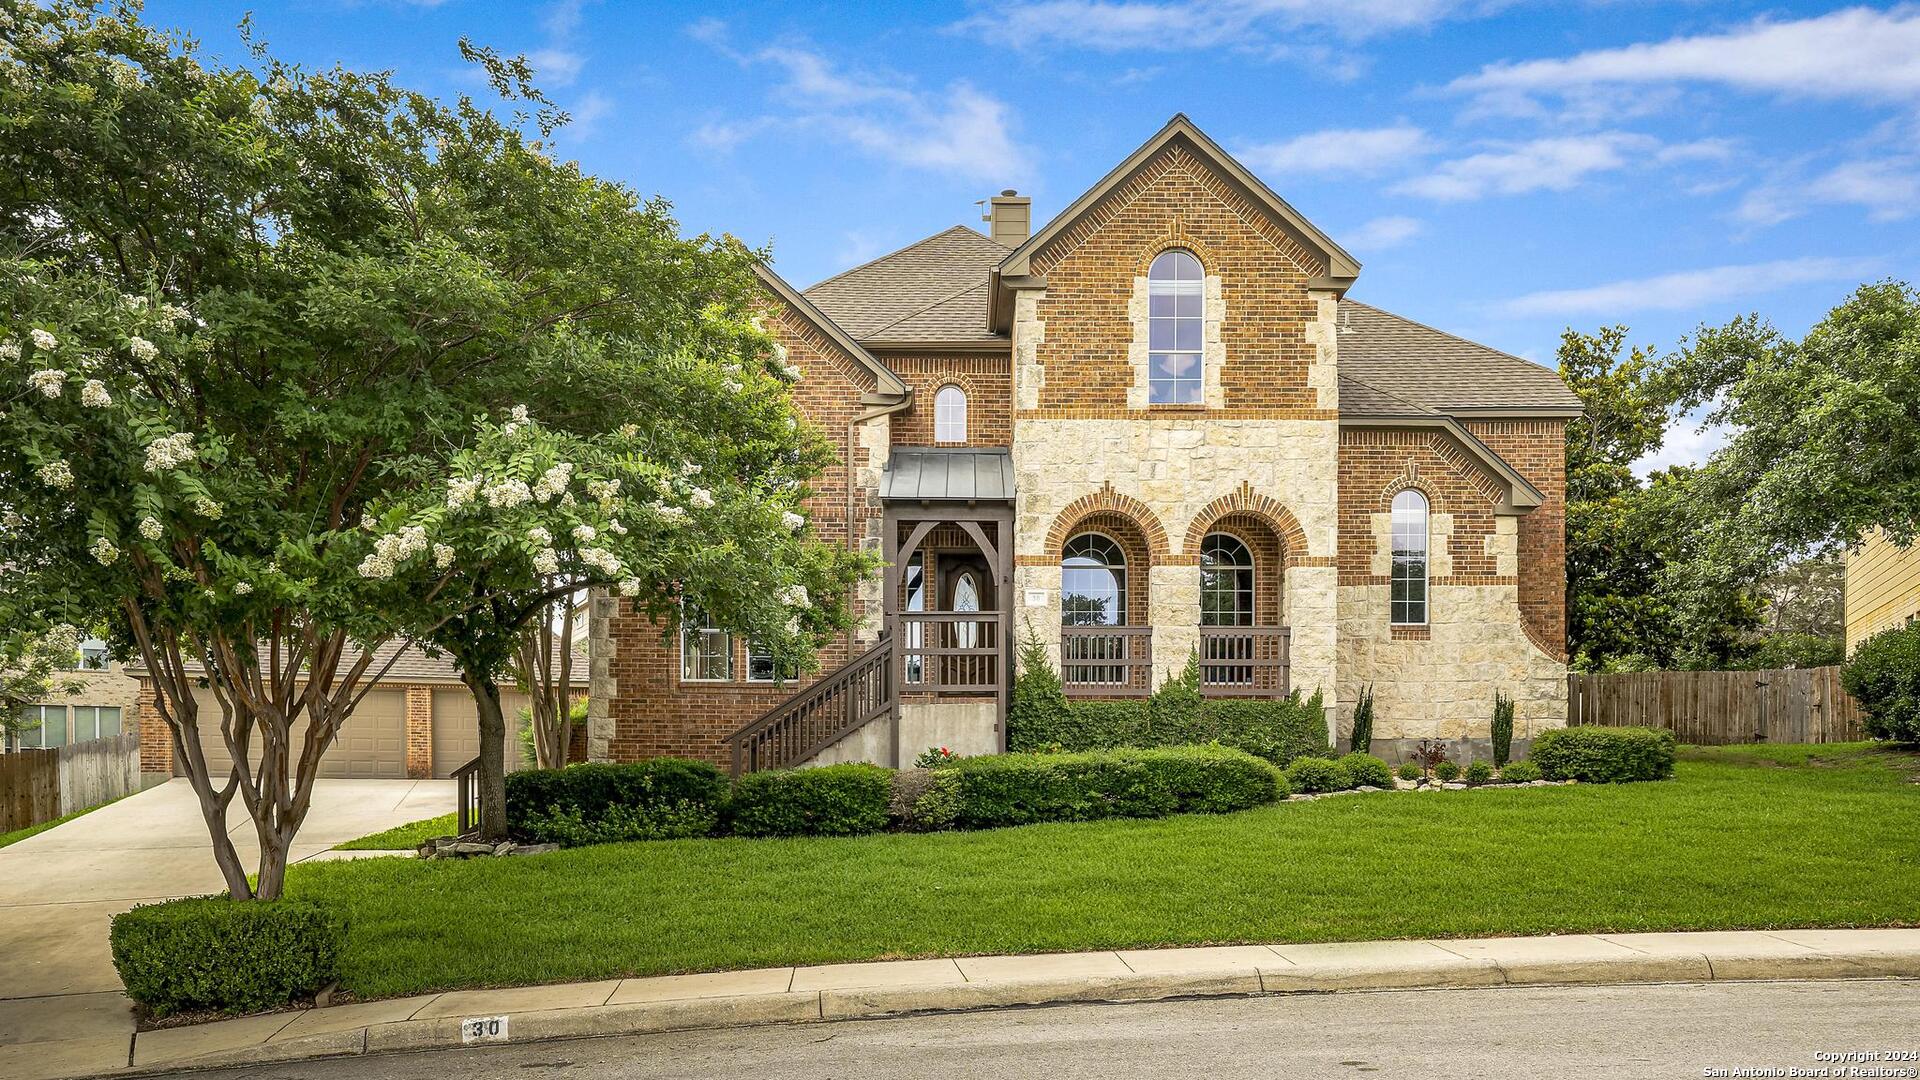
{"x":1511,"y":962}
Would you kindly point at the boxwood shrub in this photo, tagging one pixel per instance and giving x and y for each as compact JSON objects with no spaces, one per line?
{"x":663,"y":798}
{"x":1884,"y":677}
{"x":1603,"y":755}
{"x":1365,"y":770}
{"x":234,"y":956}
{"x":831,"y":800}
{"x":1022,"y":789}
{"x":1317,"y":776}
{"x":1519,"y":772}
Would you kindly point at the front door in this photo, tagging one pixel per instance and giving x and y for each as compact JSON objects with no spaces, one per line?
{"x":966,"y":585}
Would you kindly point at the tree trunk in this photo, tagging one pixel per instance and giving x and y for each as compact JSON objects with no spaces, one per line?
{"x":493,"y":757}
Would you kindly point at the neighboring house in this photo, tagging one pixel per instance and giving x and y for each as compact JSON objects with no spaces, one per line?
{"x":1155,"y":427}
{"x":105,"y":704}
{"x":1883,"y":587}
{"x":419,"y":721}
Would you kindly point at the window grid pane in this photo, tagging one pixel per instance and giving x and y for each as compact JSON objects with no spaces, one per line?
{"x":1176,"y":305}
{"x":1093,"y":582}
{"x":706,"y":652}
{"x":1408,"y":592}
{"x":950,"y":415}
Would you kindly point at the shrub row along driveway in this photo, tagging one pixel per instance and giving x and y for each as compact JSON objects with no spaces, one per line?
{"x":1742,"y":837}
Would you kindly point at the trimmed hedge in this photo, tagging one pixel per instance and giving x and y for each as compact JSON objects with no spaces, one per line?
{"x":236,"y":956}
{"x":925,"y":800}
{"x":1365,"y":770}
{"x":1479,"y":772}
{"x":1603,"y":755}
{"x":1022,"y":789}
{"x":832,"y":800}
{"x":1884,"y":677}
{"x":1519,"y":772}
{"x":664,"y":798}
{"x":1317,"y":776}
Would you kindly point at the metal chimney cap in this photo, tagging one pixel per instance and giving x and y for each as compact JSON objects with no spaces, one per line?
{"x":1009,"y":191}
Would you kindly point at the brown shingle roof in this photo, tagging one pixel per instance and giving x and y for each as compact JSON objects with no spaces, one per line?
{"x":1392,"y":355}
{"x":931,"y":290}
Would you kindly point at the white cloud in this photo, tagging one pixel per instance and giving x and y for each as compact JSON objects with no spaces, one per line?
{"x":1687,"y":442}
{"x":1888,"y":189}
{"x":1687,"y":289}
{"x":1858,"y":53}
{"x":1383,"y":232}
{"x":1354,"y":150}
{"x":556,"y":67}
{"x":1552,"y":164}
{"x":1118,"y":25}
{"x":957,"y":130}
{"x":587,"y":113}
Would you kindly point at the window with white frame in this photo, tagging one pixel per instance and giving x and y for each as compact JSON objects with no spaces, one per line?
{"x":93,"y":655}
{"x":1093,"y":582}
{"x":93,"y":722}
{"x":46,"y":727}
{"x":763,"y":666}
{"x":1409,"y":589}
{"x":950,"y":415}
{"x":706,"y":651}
{"x":1176,"y":310}
{"x":1226,"y":581}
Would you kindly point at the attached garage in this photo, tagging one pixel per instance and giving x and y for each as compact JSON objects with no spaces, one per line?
{"x":371,"y":744}
{"x":456,"y":728}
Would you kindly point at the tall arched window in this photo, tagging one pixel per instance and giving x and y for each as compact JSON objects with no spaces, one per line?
{"x":950,"y":415}
{"x":1226,"y":581}
{"x":1093,"y":582}
{"x":1175,"y":316}
{"x":1409,"y":595}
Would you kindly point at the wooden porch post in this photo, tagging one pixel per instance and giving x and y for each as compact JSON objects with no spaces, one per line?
{"x":890,"y":522}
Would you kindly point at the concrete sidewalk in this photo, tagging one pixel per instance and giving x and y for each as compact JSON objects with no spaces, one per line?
{"x":847,"y":991}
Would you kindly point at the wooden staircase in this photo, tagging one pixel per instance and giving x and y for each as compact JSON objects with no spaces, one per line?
{"x":844,"y":700}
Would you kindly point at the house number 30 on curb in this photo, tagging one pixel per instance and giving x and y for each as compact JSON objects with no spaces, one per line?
{"x":483,"y":1029}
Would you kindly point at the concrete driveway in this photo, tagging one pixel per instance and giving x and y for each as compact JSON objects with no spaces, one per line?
{"x":59,"y":890}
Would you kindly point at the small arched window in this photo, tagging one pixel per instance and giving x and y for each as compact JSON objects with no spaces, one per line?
{"x":950,"y":415}
{"x":1175,"y":317}
{"x":1093,"y":582}
{"x":1409,"y":590}
{"x":1226,"y":581}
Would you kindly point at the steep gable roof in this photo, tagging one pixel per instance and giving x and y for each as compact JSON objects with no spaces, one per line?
{"x":1342,"y":268}
{"x":931,"y":290}
{"x":1439,"y":371}
{"x":886,"y":383}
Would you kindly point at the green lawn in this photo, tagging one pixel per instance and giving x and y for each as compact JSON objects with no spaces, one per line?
{"x":1749,"y":837}
{"x":403,"y":837}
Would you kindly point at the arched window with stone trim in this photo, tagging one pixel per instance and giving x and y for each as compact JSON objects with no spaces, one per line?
{"x":1409,"y":582}
{"x":1093,"y":582}
{"x":950,"y":415}
{"x":1176,"y":319}
{"x":1226,"y":581}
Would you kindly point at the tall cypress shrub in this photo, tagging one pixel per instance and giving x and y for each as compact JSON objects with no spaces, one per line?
{"x":1502,"y":728}
{"x":1361,"y":741}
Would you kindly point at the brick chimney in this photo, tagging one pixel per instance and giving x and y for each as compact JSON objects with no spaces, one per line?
{"x":1010,"y":218}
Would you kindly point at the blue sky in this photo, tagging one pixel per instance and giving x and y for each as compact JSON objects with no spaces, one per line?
{"x":1503,"y":170}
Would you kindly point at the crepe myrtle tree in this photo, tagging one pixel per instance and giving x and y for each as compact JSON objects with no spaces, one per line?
{"x":33,"y":668}
{"x":530,"y":516}
{"x":241,"y":305}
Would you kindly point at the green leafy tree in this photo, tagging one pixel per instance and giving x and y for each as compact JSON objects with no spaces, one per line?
{"x":1825,"y":445}
{"x":33,"y":668}
{"x":249,"y":314}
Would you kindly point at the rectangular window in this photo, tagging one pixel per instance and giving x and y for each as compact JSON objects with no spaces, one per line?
{"x":761,"y":666}
{"x":94,"y":722}
{"x":706,"y":651}
{"x":93,"y":655}
{"x":46,"y":727}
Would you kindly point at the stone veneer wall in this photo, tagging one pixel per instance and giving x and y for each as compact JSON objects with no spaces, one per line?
{"x":1494,"y":581}
{"x":638,"y":707}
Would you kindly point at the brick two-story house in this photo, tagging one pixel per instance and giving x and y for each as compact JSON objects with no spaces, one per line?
{"x":1154,"y":427}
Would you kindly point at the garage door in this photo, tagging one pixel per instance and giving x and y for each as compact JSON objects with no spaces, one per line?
{"x":371,"y":743}
{"x":456,"y":728}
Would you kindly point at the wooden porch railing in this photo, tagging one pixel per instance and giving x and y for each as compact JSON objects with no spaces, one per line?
{"x":846,"y":699}
{"x":466,"y":793}
{"x":1106,"y":661}
{"x":951,"y":651}
{"x":1244,"y":661}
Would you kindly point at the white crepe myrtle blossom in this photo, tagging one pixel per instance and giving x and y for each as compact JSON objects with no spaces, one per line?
{"x":56,"y":474}
{"x":48,"y":381}
{"x":616,"y":528}
{"x":170,"y":451}
{"x":242,"y":588}
{"x":507,"y":493}
{"x":94,"y":395}
{"x":701,"y":498}
{"x":604,"y":491}
{"x":175,"y":314}
{"x":150,"y":527}
{"x":134,"y":303}
{"x":142,"y":349}
{"x":629,"y":586}
{"x":691,"y":468}
{"x":207,"y":508}
{"x":794,"y":596}
{"x":546,"y":561}
{"x":461,"y":491}
{"x":103,"y":551}
{"x":733,"y":387}
{"x":793,"y":522}
{"x":584,"y":534}
{"x":553,"y":482}
{"x":792,"y":372}
{"x":442,"y":556}
{"x":516,"y":417}
{"x":391,"y":550}
{"x":9,"y":351}
{"x":602,"y":560}
{"x":670,"y":513}
{"x":42,"y":340}
{"x":540,"y":536}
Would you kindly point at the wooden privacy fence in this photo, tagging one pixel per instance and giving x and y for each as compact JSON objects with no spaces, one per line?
{"x":40,"y":785}
{"x":1714,"y":708}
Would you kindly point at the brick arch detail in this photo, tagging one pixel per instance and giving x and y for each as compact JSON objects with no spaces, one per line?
{"x":1108,"y":501}
{"x":1178,"y":238}
{"x":1244,"y":500}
